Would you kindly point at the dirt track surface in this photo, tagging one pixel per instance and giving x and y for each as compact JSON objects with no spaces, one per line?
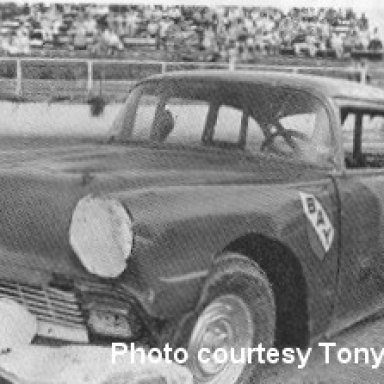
{"x":369,"y":334}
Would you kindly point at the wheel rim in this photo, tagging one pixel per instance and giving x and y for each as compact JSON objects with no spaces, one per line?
{"x":226,"y":323}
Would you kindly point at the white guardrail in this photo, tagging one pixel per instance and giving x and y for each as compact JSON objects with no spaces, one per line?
{"x":166,"y":66}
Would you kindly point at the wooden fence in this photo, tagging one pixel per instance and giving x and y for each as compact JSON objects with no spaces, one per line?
{"x":23,"y":74}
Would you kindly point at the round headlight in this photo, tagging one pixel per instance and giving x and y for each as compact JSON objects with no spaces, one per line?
{"x":101,"y":235}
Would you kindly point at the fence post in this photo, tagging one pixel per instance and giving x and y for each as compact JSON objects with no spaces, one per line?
{"x":19,"y":78}
{"x":232,"y":62}
{"x":90,"y":76}
{"x":363,"y":75}
{"x":163,"y":67}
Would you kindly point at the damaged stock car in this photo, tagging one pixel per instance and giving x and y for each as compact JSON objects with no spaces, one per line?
{"x":226,"y":209}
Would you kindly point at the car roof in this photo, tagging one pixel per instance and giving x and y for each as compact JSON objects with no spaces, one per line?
{"x":329,"y":87}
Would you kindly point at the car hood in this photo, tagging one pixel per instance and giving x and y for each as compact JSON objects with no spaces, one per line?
{"x":41,"y":186}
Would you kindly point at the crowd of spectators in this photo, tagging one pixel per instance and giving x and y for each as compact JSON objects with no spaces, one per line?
{"x":221,"y":32}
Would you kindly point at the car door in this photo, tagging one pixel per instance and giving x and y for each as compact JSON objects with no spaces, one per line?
{"x":361,"y":193}
{"x":320,"y":210}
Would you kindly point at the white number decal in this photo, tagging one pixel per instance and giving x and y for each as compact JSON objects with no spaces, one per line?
{"x":319,"y":219}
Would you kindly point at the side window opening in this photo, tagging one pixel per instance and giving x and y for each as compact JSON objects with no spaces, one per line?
{"x":145,"y":114}
{"x":189,"y":119}
{"x":363,"y":138}
{"x":170,"y":119}
{"x":255,"y":136}
{"x":228,"y":124}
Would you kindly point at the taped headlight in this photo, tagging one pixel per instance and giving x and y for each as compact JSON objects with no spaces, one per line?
{"x":101,"y":235}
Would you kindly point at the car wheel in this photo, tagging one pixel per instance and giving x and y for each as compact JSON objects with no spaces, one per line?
{"x":236,"y":311}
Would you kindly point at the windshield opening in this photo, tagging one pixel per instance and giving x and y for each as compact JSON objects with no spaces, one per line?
{"x":254,"y":118}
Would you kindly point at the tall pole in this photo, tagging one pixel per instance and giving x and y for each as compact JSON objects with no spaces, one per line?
{"x":19,"y":78}
{"x":90,"y":76}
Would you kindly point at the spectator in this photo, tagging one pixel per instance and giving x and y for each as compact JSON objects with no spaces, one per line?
{"x":249,"y":30}
{"x":363,"y":22}
{"x":199,"y":29}
{"x":209,"y":39}
{"x":375,"y":43}
{"x":348,"y":43}
{"x":337,"y":45}
{"x":131,"y":21}
{"x":312,"y":43}
{"x":114,"y":43}
{"x":364,"y":39}
{"x":153,"y":28}
{"x":22,"y":42}
{"x":165,"y":24}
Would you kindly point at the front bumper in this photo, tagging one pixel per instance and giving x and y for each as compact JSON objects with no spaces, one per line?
{"x":84,"y":365}
{"x":78,"y":313}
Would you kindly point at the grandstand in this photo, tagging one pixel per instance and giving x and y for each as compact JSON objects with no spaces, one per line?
{"x":185,"y":33}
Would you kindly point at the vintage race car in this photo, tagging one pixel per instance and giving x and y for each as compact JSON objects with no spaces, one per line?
{"x":226,"y":209}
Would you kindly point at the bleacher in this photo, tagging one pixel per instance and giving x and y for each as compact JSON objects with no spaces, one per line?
{"x":190,"y":33}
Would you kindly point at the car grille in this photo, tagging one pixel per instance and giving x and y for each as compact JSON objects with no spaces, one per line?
{"x":57,"y":311}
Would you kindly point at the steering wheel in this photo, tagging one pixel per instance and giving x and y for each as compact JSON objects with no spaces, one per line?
{"x":287,"y":134}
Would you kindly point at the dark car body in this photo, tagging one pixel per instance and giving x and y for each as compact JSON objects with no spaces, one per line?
{"x":189,"y":205}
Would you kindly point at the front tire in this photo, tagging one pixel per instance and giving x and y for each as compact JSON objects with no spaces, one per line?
{"x":236,"y":311}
